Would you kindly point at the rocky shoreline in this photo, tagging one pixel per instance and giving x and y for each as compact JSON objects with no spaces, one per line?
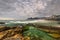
{"x":16,"y":33}
{"x":13,"y":33}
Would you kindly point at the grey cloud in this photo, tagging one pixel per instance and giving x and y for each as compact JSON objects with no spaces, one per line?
{"x":5,"y":5}
{"x":9,"y":1}
{"x":54,"y":8}
{"x":22,"y":9}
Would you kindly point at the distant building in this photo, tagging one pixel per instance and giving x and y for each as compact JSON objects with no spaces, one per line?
{"x":54,"y":17}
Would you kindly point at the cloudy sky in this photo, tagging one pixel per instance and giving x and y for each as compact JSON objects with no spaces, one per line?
{"x":23,"y":9}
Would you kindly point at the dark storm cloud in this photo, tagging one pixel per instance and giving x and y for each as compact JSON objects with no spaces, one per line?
{"x":22,"y":9}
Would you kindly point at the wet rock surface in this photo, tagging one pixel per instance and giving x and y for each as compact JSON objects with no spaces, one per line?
{"x":13,"y":33}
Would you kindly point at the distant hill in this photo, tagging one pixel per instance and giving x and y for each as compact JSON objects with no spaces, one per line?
{"x":36,"y":18}
{"x":53,"y":17}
